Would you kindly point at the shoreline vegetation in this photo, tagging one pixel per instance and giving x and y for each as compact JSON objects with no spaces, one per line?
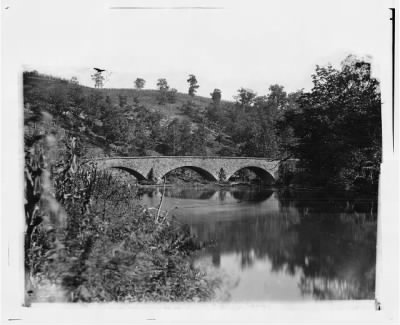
{"x":88,"y":237}
{"x":93,"y":242}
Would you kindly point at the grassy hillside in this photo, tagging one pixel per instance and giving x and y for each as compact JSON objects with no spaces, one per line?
{"x":148,"y":97}
{"x":94,"y":115}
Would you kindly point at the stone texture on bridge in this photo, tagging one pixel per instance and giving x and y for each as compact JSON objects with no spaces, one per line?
{"x":210,"y":167}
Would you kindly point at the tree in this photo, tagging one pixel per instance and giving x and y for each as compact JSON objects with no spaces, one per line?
{"x":74,"y":80}
{"x":213,"y":109}
{"x":277,"y":97}
{"x":163,"y":88}
{"x":193,"y":86}
{"x":284,"y":131}
{"x":216,"y":97}
{"x":245,"y":97}
{"x":116,"y":127}
{"x":98,"y":79}
{"x":199,"y":141}
{"x":337,"y":127}
{"x":162,"y":84}
{"x":139,"y":83}
{"x":185,"y":138}
{"x":177,"y":137}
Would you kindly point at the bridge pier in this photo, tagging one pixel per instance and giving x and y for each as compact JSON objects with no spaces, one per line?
{"x":159,"y":180}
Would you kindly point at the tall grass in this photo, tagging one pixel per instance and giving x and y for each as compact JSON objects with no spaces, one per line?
{"x":88,"y":238}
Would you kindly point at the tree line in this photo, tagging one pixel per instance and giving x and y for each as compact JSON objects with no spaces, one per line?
{"x":332,"y":130}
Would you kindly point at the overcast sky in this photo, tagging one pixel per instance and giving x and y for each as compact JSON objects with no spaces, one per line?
{"x":250,"y":44}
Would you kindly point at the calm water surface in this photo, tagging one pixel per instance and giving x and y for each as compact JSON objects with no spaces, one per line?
{"x":270,"y":245}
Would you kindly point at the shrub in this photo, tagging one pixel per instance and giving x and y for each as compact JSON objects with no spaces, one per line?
{"x":94,"y":242}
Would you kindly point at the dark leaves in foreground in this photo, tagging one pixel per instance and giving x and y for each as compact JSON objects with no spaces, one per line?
{"x":111,"y":248}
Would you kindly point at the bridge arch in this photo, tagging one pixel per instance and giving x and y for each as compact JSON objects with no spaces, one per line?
{"x":261,"y":172}
{"x":208,"y":175}
{"x":212,"y":168}
{"x":131,"y":171}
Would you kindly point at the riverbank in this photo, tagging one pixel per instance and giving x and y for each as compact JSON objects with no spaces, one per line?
{"x":97,"y":243}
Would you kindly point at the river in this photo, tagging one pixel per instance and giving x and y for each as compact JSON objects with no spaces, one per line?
{"x":274,"y":245}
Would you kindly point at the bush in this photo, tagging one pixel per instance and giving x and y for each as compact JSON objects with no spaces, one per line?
{"x":108,"y":247}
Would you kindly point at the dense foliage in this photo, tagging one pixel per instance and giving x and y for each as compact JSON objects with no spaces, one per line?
{"x":87,"y":237}
{"x":336,"y":130}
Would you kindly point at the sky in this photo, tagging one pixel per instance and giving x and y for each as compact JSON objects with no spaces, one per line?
{"x":251,"y":44}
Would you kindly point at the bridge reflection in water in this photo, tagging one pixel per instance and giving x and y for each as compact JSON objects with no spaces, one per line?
{"x":209,"y":194}
{"x":271,"y":246}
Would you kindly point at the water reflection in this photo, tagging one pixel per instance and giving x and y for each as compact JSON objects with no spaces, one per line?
{"x":243,"y":194}
{"x":282,"y":245}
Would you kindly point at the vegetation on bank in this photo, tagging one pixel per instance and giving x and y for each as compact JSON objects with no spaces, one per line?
{"x":88,"y":237}
{"x":336,"y":130}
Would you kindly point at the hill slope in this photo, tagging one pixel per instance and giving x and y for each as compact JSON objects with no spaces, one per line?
{"x":148,"y":98}
{"x":117,"y":122}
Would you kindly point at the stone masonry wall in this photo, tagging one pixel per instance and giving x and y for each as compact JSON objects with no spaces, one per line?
{"x":159,"y":166}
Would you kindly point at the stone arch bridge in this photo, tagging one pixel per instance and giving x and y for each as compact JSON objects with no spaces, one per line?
{"x":212,"y":168}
